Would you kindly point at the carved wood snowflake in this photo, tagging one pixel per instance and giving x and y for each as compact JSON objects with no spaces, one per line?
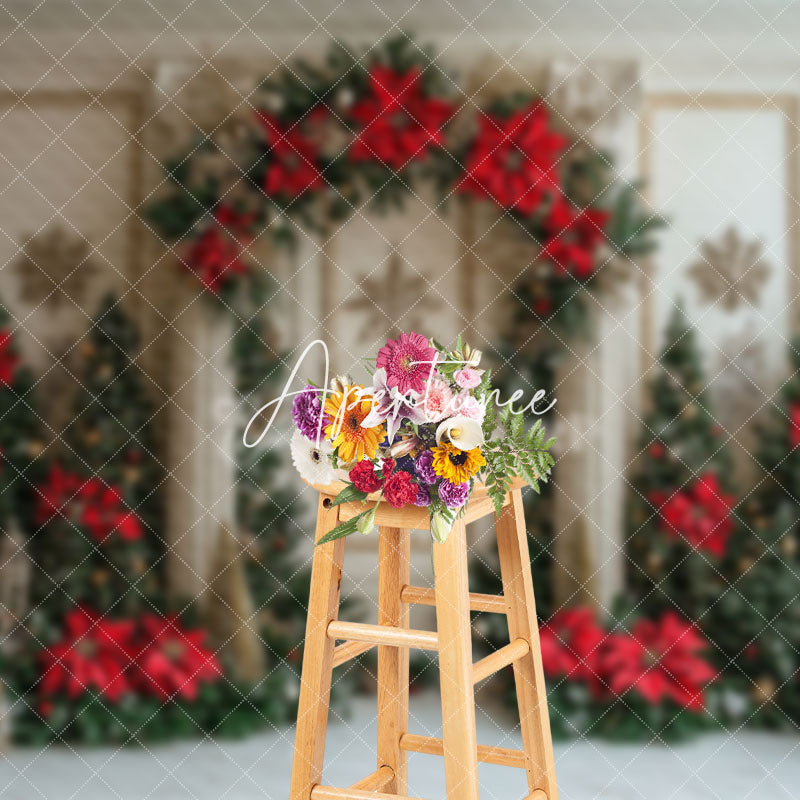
{"x":55,"y":266}
{"x":730,"y":271}
{"x":394,"y":298}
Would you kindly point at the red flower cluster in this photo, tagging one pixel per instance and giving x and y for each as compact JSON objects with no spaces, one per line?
{"x":700,"y":514}
{"x":573,"y":237}
{"x":794,"y":425}
{"x":399,"y":488}
{"x":8,"y":359}
{"x":104,"y":513}
{"x":513,"y":160}
{"x":90,"y":503}
{"x":659,"y":659}
{"x":152,"y":657}
{"x":292,"y":163}
{"x":398,"y":123}
{"x":569,"y":644}
{"x":172,"y":662}
{"x":215,"y":257}
{"x":94,"y":654}
{"x":364,"y":477}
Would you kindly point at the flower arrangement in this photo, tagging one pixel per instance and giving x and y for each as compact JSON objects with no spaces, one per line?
{"x":422,"y":434}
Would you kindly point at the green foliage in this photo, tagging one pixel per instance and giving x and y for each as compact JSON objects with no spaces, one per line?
{"x":631,"y":226}
{"x":20,"y":437}
{"x":516,"y":451}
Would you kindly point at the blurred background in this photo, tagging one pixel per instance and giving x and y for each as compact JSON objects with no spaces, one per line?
{"x":602,"y":197}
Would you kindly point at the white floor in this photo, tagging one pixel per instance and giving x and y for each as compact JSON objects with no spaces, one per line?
{"x":716,"y":767}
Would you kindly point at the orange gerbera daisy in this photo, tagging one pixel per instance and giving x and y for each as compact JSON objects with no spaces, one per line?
{"x":347,"y":410}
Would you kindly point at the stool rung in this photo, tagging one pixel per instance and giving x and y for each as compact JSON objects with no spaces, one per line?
{"x":375,"y":781}
{"x":332,"y":793}
{"x":538,"y":794}
{"x":512,"y":652}
{"x":383,"y":634}
{"x":349,"y":650}
{"x":492,"y":603}
{"x":433,"y":746}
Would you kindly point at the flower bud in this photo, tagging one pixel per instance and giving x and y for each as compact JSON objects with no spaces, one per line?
{"x":474,"y":358}
{"x":404,"y":447}
{"x":366,"y":523}
{"x":339,"y":383}
{"x":440,"y":528}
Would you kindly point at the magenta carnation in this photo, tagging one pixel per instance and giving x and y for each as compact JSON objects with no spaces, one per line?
{"x":307,"y":410}
{"x":454,"y":495}
{"x":407,"y":361}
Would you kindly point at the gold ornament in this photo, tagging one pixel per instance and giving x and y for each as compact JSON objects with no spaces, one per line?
{"x":764,"y":690}
{"x":788,"y":545}
{"x":654,"y":563}
{"x":100,"y":577}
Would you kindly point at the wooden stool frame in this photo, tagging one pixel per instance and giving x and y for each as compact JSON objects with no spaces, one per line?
{"x":452,"y":640}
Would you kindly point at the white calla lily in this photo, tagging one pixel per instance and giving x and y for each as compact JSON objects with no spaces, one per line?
{"x":461,"y":432}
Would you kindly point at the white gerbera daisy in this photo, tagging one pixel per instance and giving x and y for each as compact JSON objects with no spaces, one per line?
{"x":312,"y":462}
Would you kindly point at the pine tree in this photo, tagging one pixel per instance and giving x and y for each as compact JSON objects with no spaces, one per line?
{"x":757,"y":623}
{"x":680,"y":509}
{"x":99,"y":537}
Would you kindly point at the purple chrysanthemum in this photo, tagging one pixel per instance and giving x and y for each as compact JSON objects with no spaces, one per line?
{"x":423,"y":466}
{"x":306,"y":412}
{"x":454,"y":495}
{"x":423,"y":497}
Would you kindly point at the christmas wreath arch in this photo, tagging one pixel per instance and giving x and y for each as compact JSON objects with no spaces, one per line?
{"x":320,"y":143}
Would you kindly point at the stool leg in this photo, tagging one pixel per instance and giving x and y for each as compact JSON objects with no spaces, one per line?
{"x":393,"y":574}
{"x":455,"y":665}
{"x":315,"y":684}
{"x":515,"y":567}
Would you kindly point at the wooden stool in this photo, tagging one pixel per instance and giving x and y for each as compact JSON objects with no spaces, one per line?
{"x":453,"y":642}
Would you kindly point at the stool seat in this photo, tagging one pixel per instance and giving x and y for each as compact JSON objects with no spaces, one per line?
{"x":393,"y":637}
{"x":480,"y":505}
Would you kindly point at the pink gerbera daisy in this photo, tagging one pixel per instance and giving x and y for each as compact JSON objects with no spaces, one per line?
{"x":407,"y":361}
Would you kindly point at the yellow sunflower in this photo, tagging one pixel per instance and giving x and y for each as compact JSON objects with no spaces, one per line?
{"x":346,"y":411}
{"x":456,"y":466}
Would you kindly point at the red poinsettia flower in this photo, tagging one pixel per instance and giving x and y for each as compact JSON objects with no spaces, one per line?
{"x":700,"y":514}
{"x":398,"y":123}
{"x":8,"y":359}
{"x":237,"y":222}
{"x":570,"y":642}
{"x":93,"y":654}
{"x":794,"y":425}
{"x":172,"y":661}
{"x":292,"y":162}
{"x":574,"y":237}
{"x":104,"y":513}
{"x":90,"y":503}
{"x":659,"y":660}
{"x":513,"y":160}
{"x":215,"y":257}
{"x":56,"y":494}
